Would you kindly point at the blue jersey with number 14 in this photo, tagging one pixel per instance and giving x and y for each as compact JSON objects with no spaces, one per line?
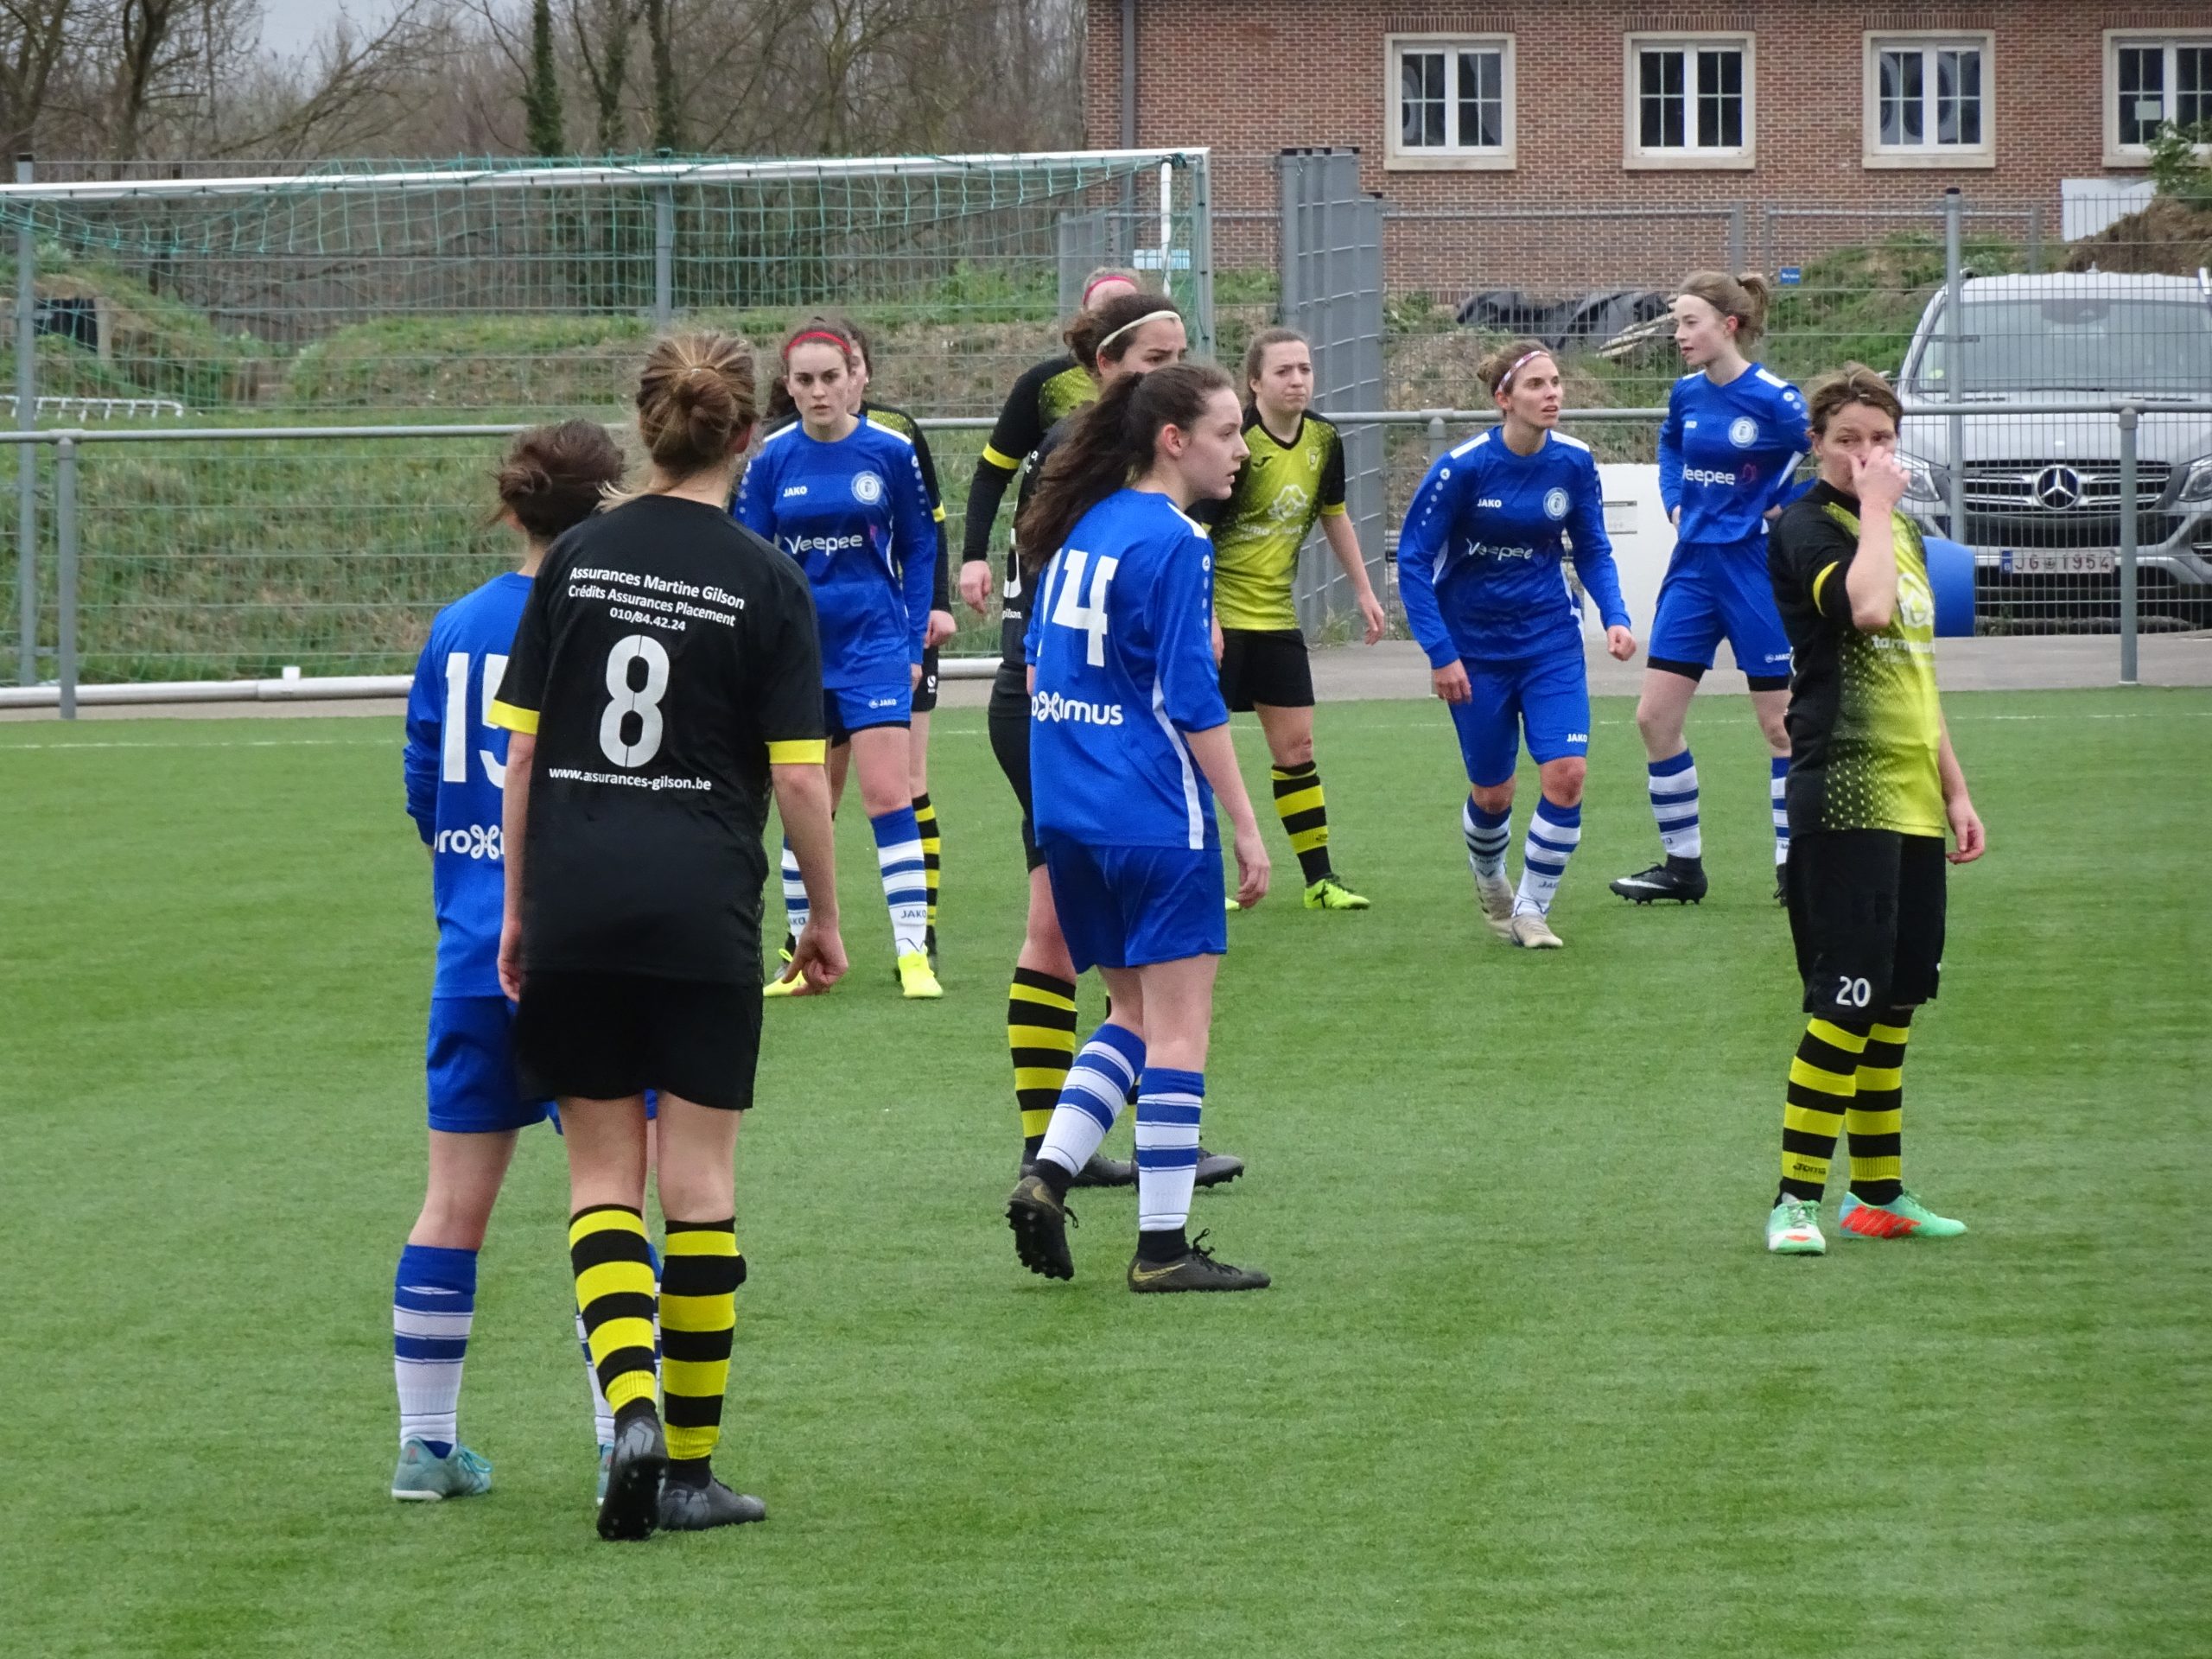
{"x":1120,"y":634}
{"x":456,"y":769}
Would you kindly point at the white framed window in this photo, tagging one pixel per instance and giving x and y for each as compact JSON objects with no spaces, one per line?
{"x":2151,"y":79}
{"x":1931,"y":100}
{"x":1450,"y":101}
{"x":1691,"y":101}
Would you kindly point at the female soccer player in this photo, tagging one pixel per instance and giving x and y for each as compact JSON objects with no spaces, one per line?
{"x":1128,"y":333}
{"x":1295,"y":476}
{"x":1128,"y":747}
{"x":1479,"y":570}
{"x":845,"y":498}
{"x":665,"y":675}
{"x":1046,"y":394}
{"x":782,"y":412}
{"x":455,"y":768}
{"x":1733,"y":435}
{"x":1873,"y":786}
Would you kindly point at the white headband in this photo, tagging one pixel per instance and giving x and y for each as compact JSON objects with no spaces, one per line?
{"x":1506,"y":379}
{"x":1150,"y":316}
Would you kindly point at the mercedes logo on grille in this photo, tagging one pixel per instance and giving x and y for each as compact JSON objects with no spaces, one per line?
{"x":2057,"y":488}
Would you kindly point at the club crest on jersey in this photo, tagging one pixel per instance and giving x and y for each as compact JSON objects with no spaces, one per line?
{"x":1916,"y":605}
{"x":1555,"y":504}
{"x":867,"y":488}
{"x":1743,"y":432}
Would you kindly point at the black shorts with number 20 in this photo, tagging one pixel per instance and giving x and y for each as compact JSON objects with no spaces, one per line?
{"x":1267,"y":665}
{"x":1866,"y":914}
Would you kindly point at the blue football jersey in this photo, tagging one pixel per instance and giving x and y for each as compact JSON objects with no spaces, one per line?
{"x":1727,"y":453}
{"x":1120,"y":633}
{"x":456,"y":769}
{"x":857,"y":516}
{"x":1480,"y":559}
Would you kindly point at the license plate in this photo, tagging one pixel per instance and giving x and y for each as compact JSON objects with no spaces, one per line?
{"x":2057,"y":562}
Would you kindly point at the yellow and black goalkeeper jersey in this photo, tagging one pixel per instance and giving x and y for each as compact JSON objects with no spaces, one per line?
{"x":1864,"y":727}
{"x":1044,"y":396}
{"x":1283,"y":489}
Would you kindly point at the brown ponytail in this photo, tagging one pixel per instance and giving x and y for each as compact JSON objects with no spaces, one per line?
{"x":1744,"y":297}
{"x":1107,"y":447}
{"x":695,"y":401}
{"x":553,"y":477}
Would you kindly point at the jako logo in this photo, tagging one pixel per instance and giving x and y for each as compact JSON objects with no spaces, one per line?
{"x":802,"y":545}
{"x":1743,"y":432}
{"x":790,"y":490}
{"x":1051,"y":705}
{"x":1555,"y":504}
{"x":477,"y":841}
{"x":1491,"y":502}
{"x":868,"y":489}
{"x":1705,"y":475}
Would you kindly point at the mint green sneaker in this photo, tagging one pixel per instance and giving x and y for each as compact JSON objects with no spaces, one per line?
{"x":1793,"y":1228}
{"x":423,"y":1477}
{"x":605,"y":1462}
{"x":1905,"y":1217}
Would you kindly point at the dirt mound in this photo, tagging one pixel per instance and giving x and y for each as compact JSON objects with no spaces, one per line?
{"x":2167,"y":239}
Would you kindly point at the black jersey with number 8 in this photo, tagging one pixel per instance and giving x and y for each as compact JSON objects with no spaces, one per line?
{"x":666,"y":657}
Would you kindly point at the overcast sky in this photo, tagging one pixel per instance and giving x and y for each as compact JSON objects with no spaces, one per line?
{"x":290,"y":25}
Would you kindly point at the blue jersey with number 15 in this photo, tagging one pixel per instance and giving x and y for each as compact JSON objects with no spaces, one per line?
{"x":456,"y":769}
{"x":1120,"y":633}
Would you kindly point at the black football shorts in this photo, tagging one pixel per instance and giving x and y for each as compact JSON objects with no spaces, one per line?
{"x":1867,"y":911}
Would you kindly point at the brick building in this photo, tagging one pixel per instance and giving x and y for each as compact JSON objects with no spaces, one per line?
{"x":1521,"y":112}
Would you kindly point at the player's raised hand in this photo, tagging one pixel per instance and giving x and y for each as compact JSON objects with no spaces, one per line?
{"x":1620,"y":644}
{"x":976,"y":586}
{"x":1252,"y":867}
{"x":1878,"y":480}
{"x":1450,"y":683}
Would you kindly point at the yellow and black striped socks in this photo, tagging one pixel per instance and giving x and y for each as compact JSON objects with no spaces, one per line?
{"x":1040,"y":1037}
{"x":614,"y":1293}
{"x":932,"y":844}
{"x":1876,"y":1118}
{"x":1823,"y":1081}
{"x":700,"y":1270}
{"x":1305,"y":818}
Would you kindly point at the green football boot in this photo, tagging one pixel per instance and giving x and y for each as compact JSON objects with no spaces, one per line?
{"x":422,"y":1477}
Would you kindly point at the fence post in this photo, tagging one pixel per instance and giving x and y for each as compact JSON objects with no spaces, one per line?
{"x":65,"y":538}
{"x":2128,"y":601}
{"x":1735,"y":238}
{"x":1954,"y":380}
{"x":1202,"y":253}
{"x":26,"y":456}
{"x":1435,"y":439}
{"x":664,"y":256}
{"x":2035,"y":238}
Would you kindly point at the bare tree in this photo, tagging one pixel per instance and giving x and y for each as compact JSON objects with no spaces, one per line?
{"x":34,"y":36}
{"x":668,"y":113}
{"x":602,"y":29}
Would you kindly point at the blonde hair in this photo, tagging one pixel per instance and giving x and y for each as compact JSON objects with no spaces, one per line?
{"x":1853,"y":384}
{"x":694,"y":397}
{"x":1744,"y":296}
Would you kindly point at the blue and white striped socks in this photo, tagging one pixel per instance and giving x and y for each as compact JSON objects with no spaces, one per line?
{"x":433,"y":1304}
{"x":1097,"y":1085}
{"x":906,"y":876}
{"x":1488,"y":835}
{"x":1553,"y":834}
{"x":1673,"y":804}
{"x":1167,"y":1147}
{"x":1779,"y":789}
{"x":794,"y":893}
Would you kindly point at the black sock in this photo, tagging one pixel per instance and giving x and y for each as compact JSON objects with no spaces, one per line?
{"x":689,"y":1472}
{"x":1050,"y":1172}
{"x":1031,"y":1145}
{"x":1684,"y":866}
{"x":626,"y":1414}
{"x":1165,"y":1245}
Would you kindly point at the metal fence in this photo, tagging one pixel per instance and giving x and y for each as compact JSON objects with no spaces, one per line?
{"x":334,"y":594}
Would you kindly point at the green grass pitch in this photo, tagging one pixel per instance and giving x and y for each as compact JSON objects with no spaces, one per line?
{"x":1526,"y":1385}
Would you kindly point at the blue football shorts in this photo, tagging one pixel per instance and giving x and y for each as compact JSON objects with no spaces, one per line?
{"x":471,"y":1068}
{"x":1132,"y":906}
{"x":849,"y":709}
{"x":1716,"y":592}
{"x":1547,"y":696}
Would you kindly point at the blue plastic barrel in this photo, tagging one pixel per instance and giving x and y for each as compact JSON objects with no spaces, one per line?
{"x":1950,"y":576}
